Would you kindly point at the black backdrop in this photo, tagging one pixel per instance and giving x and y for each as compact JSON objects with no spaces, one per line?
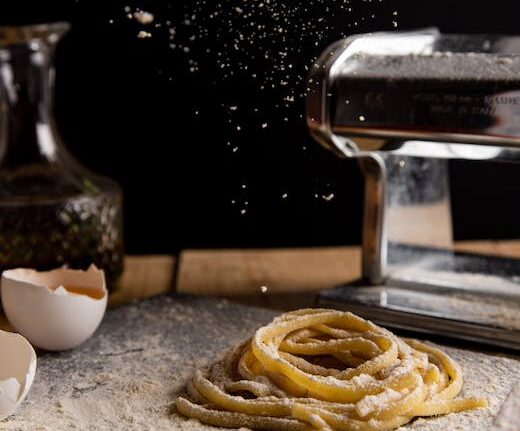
{"x":219,"y":155}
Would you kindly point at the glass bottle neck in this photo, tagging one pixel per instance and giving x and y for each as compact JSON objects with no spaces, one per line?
{"x":26,"y":80}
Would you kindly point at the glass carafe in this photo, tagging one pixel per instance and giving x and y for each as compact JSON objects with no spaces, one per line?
{"x":53,"y":211}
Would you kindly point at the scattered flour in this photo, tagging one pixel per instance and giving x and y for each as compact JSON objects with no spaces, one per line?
{"x":144,"y":34}
{"x":143,"y":17}
{"x":127,"y":376}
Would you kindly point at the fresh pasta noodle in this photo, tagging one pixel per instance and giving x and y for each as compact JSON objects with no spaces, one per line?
{"x":325,"y":370}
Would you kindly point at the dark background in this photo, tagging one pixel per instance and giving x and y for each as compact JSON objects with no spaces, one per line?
{"x":132,"y":109}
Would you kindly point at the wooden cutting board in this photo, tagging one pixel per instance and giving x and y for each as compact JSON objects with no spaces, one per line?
{"x":127,"y":375}
{"x":286,"y":271}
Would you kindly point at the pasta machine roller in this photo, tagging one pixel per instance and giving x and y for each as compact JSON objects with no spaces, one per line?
{"x":405,"y":104}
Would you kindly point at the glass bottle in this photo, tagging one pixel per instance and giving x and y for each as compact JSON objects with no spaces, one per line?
{"x":53,"y":211}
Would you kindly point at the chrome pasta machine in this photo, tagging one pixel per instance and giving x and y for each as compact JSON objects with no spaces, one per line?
{"x":404,"y":104}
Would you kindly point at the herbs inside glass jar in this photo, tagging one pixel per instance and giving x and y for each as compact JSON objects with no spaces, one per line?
{"x":53,"y":211}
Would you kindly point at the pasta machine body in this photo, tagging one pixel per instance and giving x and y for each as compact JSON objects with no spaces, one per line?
{"x":404,"y":104}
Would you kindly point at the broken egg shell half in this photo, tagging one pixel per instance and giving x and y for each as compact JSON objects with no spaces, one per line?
{"x":54,"y":310}
{"x":17,"y":369}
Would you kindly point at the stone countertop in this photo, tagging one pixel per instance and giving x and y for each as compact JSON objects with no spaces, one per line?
{"x":127,"y":375}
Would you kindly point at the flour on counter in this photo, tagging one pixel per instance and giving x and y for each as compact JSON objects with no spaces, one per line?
{"x":127,"y":375}
{"x":507,"y":419}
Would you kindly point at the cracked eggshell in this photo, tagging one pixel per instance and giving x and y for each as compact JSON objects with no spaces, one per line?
{"x":17,"y":369}
{"x":54,"y":310}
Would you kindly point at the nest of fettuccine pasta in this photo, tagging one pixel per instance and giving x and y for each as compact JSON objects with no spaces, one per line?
{"x":318,"y":369}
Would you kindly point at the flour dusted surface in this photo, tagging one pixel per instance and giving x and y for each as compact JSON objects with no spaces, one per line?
{"x":127,"y":375}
